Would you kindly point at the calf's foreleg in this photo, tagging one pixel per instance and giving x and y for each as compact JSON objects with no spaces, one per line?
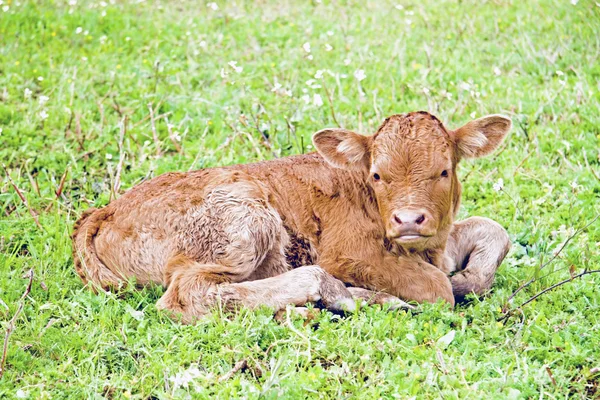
{"x":477,"y":246}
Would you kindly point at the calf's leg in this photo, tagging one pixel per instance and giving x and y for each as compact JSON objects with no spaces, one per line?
{"x":231,"y":252}
{"x":197,"y":288}
{"x":375,"y":297}
{"x":477,"y":246}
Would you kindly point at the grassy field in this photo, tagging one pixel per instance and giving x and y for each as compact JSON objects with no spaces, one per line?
{"x":96,"y":96}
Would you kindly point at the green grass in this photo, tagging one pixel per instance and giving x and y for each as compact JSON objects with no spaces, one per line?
{"x":537,"y":61}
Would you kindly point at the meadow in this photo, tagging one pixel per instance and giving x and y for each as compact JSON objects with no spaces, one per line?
{"x":97,"y":96}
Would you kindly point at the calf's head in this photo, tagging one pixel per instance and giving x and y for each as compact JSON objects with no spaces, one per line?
{"x":410,"y":163}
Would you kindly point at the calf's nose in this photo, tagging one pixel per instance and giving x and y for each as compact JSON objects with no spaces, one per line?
{"x":411,"y":217}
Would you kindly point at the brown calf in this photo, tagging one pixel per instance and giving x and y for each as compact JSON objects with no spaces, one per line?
{"x":373,"y":212}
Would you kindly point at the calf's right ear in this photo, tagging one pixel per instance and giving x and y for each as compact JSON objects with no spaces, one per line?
{"x":343,"y":149}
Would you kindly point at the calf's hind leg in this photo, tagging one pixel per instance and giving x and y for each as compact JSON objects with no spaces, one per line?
{"x":231,"y":252}
{"x":197,"y":288}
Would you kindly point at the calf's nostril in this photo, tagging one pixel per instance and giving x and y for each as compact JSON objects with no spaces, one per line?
{"x":397,"y":219}
{"x":420,"y":219}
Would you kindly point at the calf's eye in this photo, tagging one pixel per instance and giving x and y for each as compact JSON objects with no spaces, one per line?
{"x":376,"y":176}
{"x":445,"y":173}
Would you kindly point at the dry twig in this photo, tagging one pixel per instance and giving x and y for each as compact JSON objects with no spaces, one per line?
{"x":556,"y":254}
{"x":11,"y":324}
{"x":23,"y":199}
{"x":154,"y":133}
{"x":172,"y":137}
{"x":508,"y":313}
{"x":59,"y":190}
{"x":238,"y":366}
{"x":330,"y":104}
{"x":117,"y":183}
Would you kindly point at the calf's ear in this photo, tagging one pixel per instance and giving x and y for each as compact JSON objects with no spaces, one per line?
{"x":482,"y":136}
{"x":343,"y":149}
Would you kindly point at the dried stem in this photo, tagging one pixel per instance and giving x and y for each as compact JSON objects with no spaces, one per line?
{"x":11,"y":324}
{"x":172,"y":137}
{"x":117,"y":183}
{"x":154,"y":133}
{"x":59,"y":190}
{"x":23,"y":199}
{"x":586,"y":272}
{"x":590,"y":168}
{"x":238,"y":366}
{"x":331,"y":104}
{"x":556,"y":254}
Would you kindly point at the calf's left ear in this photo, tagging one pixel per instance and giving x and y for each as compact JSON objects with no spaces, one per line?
{"x":482,"y":136}
{"x":343,"y":149}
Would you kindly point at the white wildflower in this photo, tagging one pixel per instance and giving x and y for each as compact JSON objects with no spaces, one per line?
{"x":347,"y":61}
{"x":473,"y":115}
{"x":497,"y":71}
{"x":43,"y":115}
{"x":84,"y":58}
{"x":78,"y":30}
{"x":464,"y":86}
{"x":309,"y":57}
{"x":5,"y":8}
{"x":224,"y":73}
{"x":21,"y":394}
{"x":329,"y":33}
{"x":574,"y":2}
{"x":72,"y":3}
{"x":408,"y":21}
{"x":426,"y":90}
{"x":328,"y":47}
{"x":183,"y":379}
{"x":306,"y":47}
{"x":498,"y":186}
{"x":103,"y":39}
{"x":306,"y":98}
{"x":319,"y":74}
{"x":233,"y":64}
{"x":138,"y":315}
{"x":288,"y":92}
{"x":108,"y":156}
{"x":213,"y":6}
{"x":360,"y":75}
{"x":399,"y":7}
{"x":27,"y":93}
{"x":276,"y":86}
{"x":560,"y":73}
{"x":574,"y":185}
{"x":317,"y":100}
{"x":40,"y":78}
{"x":43,"y":100}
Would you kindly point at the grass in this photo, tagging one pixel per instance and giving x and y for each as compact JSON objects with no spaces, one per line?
{"x":74,"y":74}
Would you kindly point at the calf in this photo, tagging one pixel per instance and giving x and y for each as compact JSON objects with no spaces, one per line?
{"x":371,"y":212}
